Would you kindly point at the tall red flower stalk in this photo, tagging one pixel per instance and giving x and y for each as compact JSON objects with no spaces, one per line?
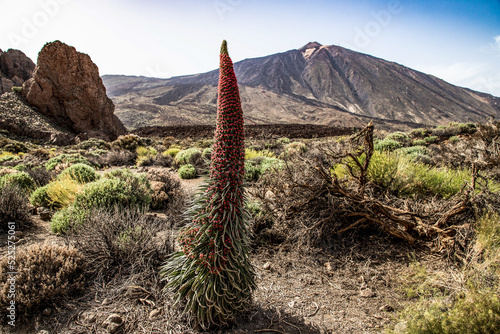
{"x":212,"y":272}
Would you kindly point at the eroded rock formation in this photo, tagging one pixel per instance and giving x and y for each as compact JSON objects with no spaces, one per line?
{"x":66,"y":86}
{"x":15,"y":69}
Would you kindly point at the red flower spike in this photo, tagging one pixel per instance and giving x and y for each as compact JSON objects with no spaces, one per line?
{"x":215,"y":243}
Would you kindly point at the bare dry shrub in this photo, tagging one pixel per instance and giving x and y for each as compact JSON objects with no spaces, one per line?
{"x":167,"y":188}
{"x":118,"y":158}
{"x":311,"y":204}
{"x":45,"y":273}
{"x":121,"y":242}
{"x":14,"y":207}
{"x":40,"y":175}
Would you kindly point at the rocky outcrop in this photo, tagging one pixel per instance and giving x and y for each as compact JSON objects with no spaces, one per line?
{"x":21,"y":120}
{"x":15,"y":69}
{"x":66,"y":86}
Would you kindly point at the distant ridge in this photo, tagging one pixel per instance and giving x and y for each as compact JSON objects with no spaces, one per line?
{"x":314,"y":84}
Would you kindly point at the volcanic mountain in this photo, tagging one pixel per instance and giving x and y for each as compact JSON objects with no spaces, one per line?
{"x":315,"y":84}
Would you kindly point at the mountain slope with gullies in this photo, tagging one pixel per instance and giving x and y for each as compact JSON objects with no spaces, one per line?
{"x":315,"y":84}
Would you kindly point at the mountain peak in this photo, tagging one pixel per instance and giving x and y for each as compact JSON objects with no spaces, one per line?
{"x":310,"y":45}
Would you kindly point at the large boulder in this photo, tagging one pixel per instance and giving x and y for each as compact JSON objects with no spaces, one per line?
{"x":66,"y":86}
{"x":15,"y":69}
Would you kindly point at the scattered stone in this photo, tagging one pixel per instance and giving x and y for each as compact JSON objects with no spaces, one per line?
{"x":106,"y":301}
{"x":367,"y":293}
{"x":66,"y":86}
{"x":19,"y":234}
{"x":328,"y":268}
{"x":154,"y":313}
{"x":47,"y":312}
{"x":291,"y":304}
{"x":386,"y":308}
{"x":45,"y":213}
{"x":89,"y":317}
{"x":43,"y":331}
{"x":267,"y":266}
{"x":113,"y":322}
{"x":400,"y":328}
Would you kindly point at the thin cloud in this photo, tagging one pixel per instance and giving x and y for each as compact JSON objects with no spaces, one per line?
{"x":477,"y":76}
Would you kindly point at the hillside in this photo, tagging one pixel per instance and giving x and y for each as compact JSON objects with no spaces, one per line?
{"x":315,"y":84}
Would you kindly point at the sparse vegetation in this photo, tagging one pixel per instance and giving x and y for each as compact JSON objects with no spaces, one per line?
{"x":20,"y":179}
{"x":45,"y":273}
{"x":413,"y":220}
{"x":81,"y":173}
{"x":187,"y":172}
{"x":388,"y":145}
{"x":14,"y":207}
{"x":172,"y":152}
{"x":191,"y":156}
{"x":66,"y":160}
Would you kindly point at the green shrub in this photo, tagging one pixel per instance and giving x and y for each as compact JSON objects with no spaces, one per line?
{"x":94,"y":143}
{"x":118,"y":188}
{"x":62,"y":192}
{"x":207,"y":153}
{"x":205,"y":143}
{"x":414,"y":177}
{"x":473,"y":313}
{"x":400,"y":137}
{"x":14,"y":146}
{"x":146,"y":151}
{"x":146,"y":156}
{"x":5,"y":157}
{"x":270,"y":163}
{"x":419,"y":133}
{"x":253,"y":171}
{"x":40,"y":197}
{"x":21,"y":179}
{"x":251,"y":154}
{"x":400,"y":174}
{"x":431,"y":139}
{"x":454,"y":139}
{"x":413,"y":151}
{"x":488,"y":234}
{"x":69,"y":159}
{"x":20,"y":167}
{"x":171,"y":152}
{"x":145,"y":160}
{"x":110,"y":192}
{"x":419,"y":142}
{"x":187,"y":172}
{"x":67,"y":218}
{"x":382,"y":169}
{"x":137,"y":183}
{"x":81,"y":173}
{"x":128,"y":142}
{"x":283,"y":140}
{"x":388,"y":145}
{"x":190,"y":156}
{"x":467,"y":128}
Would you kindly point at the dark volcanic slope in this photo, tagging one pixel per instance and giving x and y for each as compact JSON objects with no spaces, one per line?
{"x":314,"y":84}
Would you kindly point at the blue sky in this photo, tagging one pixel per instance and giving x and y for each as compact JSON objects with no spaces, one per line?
{"x":456,"y":40}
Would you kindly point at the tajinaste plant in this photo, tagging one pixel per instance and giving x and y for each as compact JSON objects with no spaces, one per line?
{"x":212,"y":273}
